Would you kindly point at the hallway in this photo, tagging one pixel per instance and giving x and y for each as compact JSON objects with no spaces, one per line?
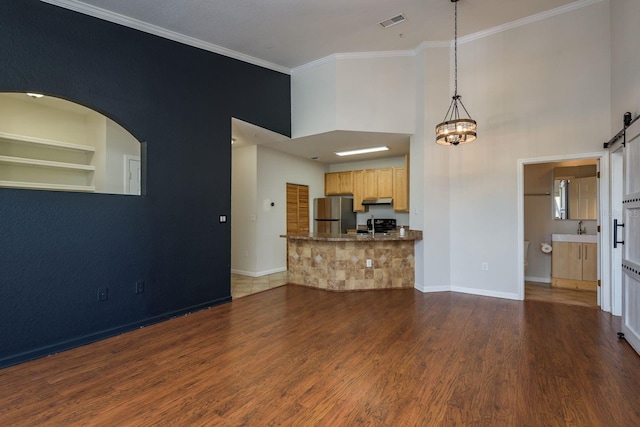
{"x":242,"y":286}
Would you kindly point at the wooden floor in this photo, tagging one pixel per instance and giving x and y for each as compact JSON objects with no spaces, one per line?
{"x":299,"y":356}
{"x":544,"y":292}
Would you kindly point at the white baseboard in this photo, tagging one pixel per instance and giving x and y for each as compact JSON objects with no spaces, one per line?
{"x":463,"y":290}
{"x":258,"y":273}
{"x":485,"y":293}
{"x":430,"y":289}
{"x":537,"y":279}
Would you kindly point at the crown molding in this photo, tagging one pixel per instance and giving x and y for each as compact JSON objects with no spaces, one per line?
{"x":116,"y":18}
{"x":353,"y":55}
{"x":528,"y":20}
{"x":136,"y":24}
{"x":430,"y":45}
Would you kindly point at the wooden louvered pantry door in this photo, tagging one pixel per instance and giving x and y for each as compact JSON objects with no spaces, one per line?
{"x":297,"y":208}
{"x":297,"y":211}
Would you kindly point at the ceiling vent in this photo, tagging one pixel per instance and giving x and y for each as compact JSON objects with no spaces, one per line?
{"x":392,"y":21}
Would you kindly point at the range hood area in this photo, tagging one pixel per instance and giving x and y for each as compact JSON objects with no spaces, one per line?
{"x":380,"y":201}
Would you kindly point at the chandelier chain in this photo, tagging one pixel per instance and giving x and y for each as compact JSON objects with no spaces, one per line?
{"x":455,"y":50}
{"x":455,"y":130}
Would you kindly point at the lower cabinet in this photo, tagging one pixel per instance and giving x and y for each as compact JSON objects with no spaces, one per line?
{"x":574,"y":265}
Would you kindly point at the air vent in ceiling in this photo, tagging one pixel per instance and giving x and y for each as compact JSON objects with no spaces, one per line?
{"x":392,"y":21}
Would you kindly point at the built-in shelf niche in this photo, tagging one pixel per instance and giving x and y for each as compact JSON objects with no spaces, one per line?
{"x":86,"y":152}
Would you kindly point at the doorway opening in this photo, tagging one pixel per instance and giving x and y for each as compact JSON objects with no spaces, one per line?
{"x":553,"y":205}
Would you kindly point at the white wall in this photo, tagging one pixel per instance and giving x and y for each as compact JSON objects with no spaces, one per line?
{"x":22,"y":115}
{"x":376,"y":94}
{"x":313,"y":99}
{"x":542,"y":89}
{"x":275,"y":170}
{"x":537,"y":90}
{"x":366,"y":92}
{"x":625,"y":60}
{"x":430,"y":190}
{"x":244,"y":167}
{"x":259,"y":177}
{"x":391,"y":162}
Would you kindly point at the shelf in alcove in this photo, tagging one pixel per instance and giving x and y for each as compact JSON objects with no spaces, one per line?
{"x":49,"y":143}
{"x":45,"y":186}
{"x":45,"y":164}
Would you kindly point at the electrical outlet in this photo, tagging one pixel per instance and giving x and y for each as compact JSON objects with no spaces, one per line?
{"x":103,"y":294}
{"x":140,"y":287}
{"x":485,"y":266}
{"x":369,"y":264}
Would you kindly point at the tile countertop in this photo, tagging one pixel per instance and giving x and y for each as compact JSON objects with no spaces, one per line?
{"x":362,"y":237}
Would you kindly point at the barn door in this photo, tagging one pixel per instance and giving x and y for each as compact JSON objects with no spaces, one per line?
{"x":630,"y":230}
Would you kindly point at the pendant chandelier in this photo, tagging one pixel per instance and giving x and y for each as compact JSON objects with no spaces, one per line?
{"x":455,"y":130}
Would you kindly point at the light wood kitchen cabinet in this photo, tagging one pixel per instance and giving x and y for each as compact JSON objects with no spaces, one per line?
{"x":384,"y":176}
{"x":574,"y":265}
{"x":400,"y":190}
{"x":338,"y":183}
{"x":378,"y":183}
{"x":391,"y":182}
{"x":358,"y":192}
{"x":370,"y":184}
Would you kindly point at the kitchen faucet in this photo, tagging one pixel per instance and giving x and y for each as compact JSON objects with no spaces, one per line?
{"x":581,"y":229}
{"x":373,"y":226}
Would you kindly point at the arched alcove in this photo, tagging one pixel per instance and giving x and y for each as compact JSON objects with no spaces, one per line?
{"x":49,"y":143}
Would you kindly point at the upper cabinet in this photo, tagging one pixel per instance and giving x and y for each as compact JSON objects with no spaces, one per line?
{"x":400,"y":190}
{"x":384,"y":177}
{"x":358,"y":192}
{"x":378,"y":183}
{"x":338,"y":183}
{"x":381,"y":183}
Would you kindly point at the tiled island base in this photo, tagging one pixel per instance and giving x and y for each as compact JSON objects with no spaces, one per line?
{"x":342,"y":265}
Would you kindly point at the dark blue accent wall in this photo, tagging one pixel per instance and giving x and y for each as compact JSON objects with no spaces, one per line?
{"x":56,"y":248}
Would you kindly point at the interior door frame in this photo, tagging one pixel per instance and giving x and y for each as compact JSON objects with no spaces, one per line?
{"x":616,"y":211}
{"x":127,"y":159}
{"x":604,"y":255}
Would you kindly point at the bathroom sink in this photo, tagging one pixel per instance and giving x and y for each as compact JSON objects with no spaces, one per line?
{"x":578,"y":238}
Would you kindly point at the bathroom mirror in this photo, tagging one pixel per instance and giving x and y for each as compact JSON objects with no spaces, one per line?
{"x":575,"y":193}
{"x":48,"y":143}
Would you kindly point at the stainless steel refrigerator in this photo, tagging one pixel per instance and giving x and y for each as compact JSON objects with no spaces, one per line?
{"x":333,"y":215}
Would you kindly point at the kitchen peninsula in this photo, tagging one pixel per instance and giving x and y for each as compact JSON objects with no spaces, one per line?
{"x":339,"y":262}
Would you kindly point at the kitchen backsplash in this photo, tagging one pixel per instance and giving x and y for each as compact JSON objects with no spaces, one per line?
{"x":383,"y":211}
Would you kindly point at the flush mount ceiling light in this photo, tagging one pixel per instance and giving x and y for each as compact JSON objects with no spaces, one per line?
{"x":362,"y":151}
{"x":455,"y":130}
{"x":35,"y":95}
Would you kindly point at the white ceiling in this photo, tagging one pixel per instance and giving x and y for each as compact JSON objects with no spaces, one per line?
{"x":285,"y":34}
{"x":322,"y":147}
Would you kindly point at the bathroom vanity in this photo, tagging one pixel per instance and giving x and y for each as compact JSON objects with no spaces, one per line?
{"x":574,"y":261}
